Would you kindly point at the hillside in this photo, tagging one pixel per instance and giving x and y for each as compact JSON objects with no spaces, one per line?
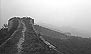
{"x":21,"y":38}
{"x":49,"y":32}
{"x":66,"y":44}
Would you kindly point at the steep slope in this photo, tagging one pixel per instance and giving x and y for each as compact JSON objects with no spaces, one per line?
{"x":10,"y":45}
{"x":25,"y":40}
{"x":66,"y":44}
{"x":49,"y":32}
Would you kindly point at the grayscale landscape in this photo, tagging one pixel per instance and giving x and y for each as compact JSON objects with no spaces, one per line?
{"x":50,"y":26}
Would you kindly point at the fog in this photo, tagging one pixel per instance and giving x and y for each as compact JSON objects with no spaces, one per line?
{"x":72,"y":13}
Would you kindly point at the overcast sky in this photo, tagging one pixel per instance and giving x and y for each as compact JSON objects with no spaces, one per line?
{"x":74,"y":13}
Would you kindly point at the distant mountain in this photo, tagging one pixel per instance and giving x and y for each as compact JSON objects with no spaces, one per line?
{"x":75,"y":31}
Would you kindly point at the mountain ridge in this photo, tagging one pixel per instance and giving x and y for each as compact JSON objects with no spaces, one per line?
{"x":67,"y":29}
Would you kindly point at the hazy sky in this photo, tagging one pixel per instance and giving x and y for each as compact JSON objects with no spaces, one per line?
{"x":74,"y":13}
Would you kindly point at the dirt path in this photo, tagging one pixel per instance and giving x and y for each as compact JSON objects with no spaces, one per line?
{"x":21,"y":40}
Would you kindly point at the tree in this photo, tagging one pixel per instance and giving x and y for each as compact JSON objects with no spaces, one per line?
{"x":5,"y":26}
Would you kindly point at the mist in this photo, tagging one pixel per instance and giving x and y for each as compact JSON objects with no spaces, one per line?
{"x":71,"y":13}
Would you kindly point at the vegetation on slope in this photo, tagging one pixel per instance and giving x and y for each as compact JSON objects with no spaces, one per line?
{"x":64,"y":43}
